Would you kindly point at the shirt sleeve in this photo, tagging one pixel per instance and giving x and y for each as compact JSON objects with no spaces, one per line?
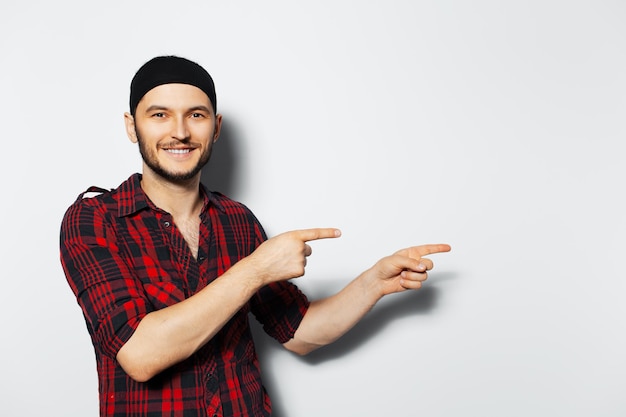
{"x":279,"y":306}
{"x":110,"y":297}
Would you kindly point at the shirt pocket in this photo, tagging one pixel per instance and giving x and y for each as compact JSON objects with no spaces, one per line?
{"x":150,"y":259}
{"x":162,"y":284}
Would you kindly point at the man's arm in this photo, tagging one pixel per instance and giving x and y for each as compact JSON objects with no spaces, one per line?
{"x":330,"y":318}
{"x":170,"y":335}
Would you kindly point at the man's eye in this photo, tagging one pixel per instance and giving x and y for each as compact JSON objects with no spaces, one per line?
{"x":197,"y":115}
{"x":158,"y":115}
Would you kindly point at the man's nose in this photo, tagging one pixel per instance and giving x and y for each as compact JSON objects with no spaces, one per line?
{"x":180,"y":130}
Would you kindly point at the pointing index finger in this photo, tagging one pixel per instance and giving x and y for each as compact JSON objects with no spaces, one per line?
{"x":419,"y":251}
{"x":317,"y":233}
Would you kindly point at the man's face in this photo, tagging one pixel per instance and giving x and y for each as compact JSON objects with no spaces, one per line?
{"x":175,"y":126}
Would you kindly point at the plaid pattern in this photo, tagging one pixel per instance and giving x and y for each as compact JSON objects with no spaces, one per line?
{"x":124,"y":257}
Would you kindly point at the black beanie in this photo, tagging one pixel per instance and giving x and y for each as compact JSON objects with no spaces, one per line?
{"x":170,"y":70}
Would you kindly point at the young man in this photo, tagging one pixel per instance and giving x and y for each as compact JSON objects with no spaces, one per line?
{"x":166,"y":271}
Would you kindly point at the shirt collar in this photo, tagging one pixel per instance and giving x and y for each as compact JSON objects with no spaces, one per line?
{"x":132,"y":198}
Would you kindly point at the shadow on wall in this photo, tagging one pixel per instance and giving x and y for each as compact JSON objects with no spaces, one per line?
{"x":222,"y":173}
{"x":396,"y":306}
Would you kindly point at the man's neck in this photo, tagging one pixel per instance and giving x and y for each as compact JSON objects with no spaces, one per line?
{"x":181,"y":199}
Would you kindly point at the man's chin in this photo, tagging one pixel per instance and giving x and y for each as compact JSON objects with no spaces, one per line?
{"x":176,"y":177}
{"x":182,"y":177}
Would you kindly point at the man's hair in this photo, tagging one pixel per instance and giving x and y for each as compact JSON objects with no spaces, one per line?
{"x":168,"y":70}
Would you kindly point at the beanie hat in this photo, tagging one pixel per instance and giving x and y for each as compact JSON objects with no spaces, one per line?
{"x":169,"y":70}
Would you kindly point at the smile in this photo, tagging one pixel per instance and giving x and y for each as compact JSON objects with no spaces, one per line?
{"x":178,"y":151}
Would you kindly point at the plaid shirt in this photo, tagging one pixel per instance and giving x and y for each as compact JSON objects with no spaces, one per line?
{"x":124,"y":257}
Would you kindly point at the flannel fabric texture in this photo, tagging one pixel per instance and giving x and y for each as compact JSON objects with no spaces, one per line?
{"x":124,"y":257}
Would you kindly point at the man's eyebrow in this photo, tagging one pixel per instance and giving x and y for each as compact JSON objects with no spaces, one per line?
{"x":194,"y":108}
{"x":155,"y":107}
{"x":202,"y":108}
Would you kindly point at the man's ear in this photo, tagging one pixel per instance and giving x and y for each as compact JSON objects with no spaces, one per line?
{"x":218,"y":127}
{"x":129,"y":122}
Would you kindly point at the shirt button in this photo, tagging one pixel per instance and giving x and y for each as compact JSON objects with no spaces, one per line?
{"x":166,"y":224}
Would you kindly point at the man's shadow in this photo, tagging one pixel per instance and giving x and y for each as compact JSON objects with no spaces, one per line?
{"x":224,"y":175}
{"x":394,"y":307}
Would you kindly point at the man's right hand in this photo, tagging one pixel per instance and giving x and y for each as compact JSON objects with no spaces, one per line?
{"x":284,"y":256}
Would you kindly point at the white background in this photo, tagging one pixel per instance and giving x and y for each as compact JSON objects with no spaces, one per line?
{"x":494,"y":126}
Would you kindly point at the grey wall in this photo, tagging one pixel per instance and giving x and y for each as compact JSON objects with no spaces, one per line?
{"x":494,"y":126}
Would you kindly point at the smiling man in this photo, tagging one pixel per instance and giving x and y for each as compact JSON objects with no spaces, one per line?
{"x":166,"y":272}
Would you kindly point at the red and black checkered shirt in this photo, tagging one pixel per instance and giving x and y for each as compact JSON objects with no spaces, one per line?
{"x":124,"y":257}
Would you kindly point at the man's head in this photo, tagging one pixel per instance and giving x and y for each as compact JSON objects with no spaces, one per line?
{"x":170,"y":70}
{"x":172,"y":118}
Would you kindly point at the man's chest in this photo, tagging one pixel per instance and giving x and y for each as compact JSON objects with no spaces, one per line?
{"x":190,"y":231}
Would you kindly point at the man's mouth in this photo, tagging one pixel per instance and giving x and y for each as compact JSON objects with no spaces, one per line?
{"x":178,"y":151}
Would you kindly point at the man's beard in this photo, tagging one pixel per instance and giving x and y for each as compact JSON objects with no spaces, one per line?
{"x":152,"y":162}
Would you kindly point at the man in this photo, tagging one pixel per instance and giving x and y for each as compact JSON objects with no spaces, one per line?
{"x":166,"y":271}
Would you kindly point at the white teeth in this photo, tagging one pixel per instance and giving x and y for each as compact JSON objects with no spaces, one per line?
{"x":179,"y":150}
